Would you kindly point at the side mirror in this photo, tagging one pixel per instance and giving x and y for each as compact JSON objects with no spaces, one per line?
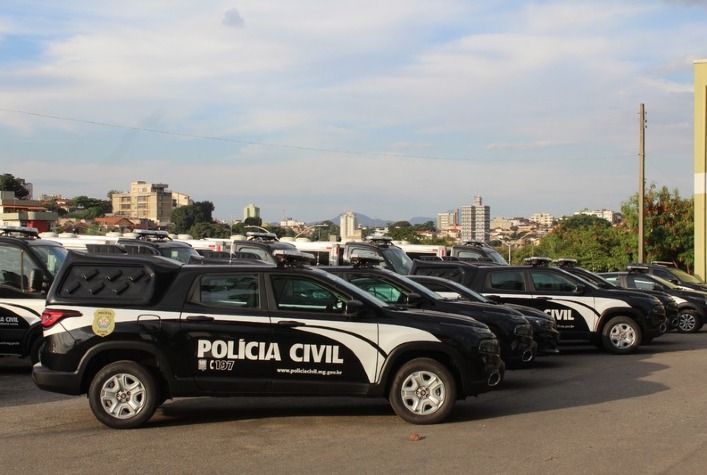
{"x":353,"y":307}
{"x":494,"y":298}
{"x":580,"y":288}
{"x":36,"y":280}
{"x":414,"y":298}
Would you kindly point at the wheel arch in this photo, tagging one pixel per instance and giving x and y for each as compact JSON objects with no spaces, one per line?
{"x":405,"y":353}
{"x":109,"y":352}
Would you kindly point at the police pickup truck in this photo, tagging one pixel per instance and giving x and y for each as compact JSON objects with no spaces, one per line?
{"x":132,"y":331}
{"x":27,"y":266}
{"x":618,"y":321}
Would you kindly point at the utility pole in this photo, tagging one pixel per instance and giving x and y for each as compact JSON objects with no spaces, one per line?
{"x":641,"y":182}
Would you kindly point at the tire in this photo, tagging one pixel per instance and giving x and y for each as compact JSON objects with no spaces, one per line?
{"x":688,"y":321}
{"x":423,"y":392}
{"x":35,"y":348}
{"x":123,"y":395}
{"x":621,"y":335}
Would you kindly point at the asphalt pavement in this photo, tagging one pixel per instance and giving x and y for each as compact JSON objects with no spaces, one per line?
{"x":583,"y":411}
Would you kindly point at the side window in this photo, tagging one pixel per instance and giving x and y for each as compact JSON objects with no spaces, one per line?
{"x":298,"y":293}
{"x":506,"y":280}
{"x":229,"y":291}
{"x":260,"y":254}
{"x":641,"y":283}
{"x":471,"y":255}
{"x":551,"y":282}
{"x":15,"y":268}
{"x":611,"y":278}
{"x":385,"y":291}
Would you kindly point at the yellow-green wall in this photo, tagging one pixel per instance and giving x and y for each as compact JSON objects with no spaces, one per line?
{"x":700,"y":169}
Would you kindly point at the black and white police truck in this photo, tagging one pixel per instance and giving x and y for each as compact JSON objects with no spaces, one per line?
{"x":617,"y":321}
{"x":27,"y":266}
{"x":132,"y":331}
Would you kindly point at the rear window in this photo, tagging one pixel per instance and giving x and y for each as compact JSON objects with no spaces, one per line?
{"x":108,"y":283}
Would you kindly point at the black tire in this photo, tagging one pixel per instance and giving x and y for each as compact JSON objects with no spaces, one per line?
{"x":423,"y":392}
{"x":689,"y":321}
{"x":35,"y":348}
{"x":621,"y":335}
{"x":123,"y":395}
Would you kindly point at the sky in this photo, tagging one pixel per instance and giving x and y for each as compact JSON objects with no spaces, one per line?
{"x":393,"y":109}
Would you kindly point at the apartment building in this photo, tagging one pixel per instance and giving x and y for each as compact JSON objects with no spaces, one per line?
{"x":476,"y":221}
{"x":148,"y":201}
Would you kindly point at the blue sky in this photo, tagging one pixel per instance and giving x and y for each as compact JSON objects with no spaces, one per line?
{"x":391,"y":109}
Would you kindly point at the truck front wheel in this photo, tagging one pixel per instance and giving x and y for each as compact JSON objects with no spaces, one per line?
{"x":423,"y":392}
{"x":621,"y":335}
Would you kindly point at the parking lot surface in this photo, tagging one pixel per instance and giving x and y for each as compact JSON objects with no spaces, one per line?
{"x":583,"y":411}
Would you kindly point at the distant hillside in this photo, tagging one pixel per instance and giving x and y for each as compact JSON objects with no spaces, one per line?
{"x":378,"y":222}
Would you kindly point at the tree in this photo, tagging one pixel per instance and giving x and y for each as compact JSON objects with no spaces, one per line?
{"x":669,"y":228}
{"x":9,"y":183}
{"x":83,"y":207}
{"x":185,"y":217}
{"x":208,"y":230}
{"x":253,"y":221}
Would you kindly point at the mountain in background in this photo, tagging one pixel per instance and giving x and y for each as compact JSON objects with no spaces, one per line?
{"x":364,"y":220}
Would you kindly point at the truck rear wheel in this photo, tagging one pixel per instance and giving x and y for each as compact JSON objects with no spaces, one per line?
{"x":123,"y":395}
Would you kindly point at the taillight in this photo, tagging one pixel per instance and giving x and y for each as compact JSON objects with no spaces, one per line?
{"x":51,"y":316}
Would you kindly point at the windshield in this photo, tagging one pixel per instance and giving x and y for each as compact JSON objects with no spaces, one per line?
{"x":181,"y":254}
{"x":357,"y":292}
{"x":396,"y":259}
{"x":52,"y":256}
{"x":684,"y":276}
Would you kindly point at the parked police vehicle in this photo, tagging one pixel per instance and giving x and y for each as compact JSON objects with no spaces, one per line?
{"x":376,"y":246}
{"x":471,"y":251}
{"x":669,"y":272}
{"x":513,"y":331}
{"x":692,"y":304}
{"x":27,"y":266}
{"x":545,"y":331}
{"x":618,"y":321}
{"x":151,"y":242}
{"x":133,"y":331}
{"x":671,"y":306}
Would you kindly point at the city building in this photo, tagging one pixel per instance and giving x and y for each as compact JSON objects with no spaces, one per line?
{"x":476,"y":221}
{"x":349,"y":227}
{"x":30,"y":213}
{"x":251,"y":211}
{"x":447,"y":221}
{"x":606,"y":214}
{"x":543,"y":219}
{"x":148,"y":201}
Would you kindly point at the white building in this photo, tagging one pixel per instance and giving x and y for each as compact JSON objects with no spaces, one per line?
{"x":543,"y":219}
{"x":476,"y":221}
{"x":348,"y":226}
{"x":251,"y":211}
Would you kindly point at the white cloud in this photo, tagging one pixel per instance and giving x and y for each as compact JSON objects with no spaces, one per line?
{"x":508,"y":101}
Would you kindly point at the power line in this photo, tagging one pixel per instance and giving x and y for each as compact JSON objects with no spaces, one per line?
{"x":294,"y":147}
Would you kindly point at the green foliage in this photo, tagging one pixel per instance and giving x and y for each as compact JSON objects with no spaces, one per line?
{"x":598,"y":246}
{"x":185,"y":217}
{"x":209,"y":230}
{"x":8,"y":182}
{"x":83,"y":207}
{"x":253,"y":221}
{"x":669,"y":227}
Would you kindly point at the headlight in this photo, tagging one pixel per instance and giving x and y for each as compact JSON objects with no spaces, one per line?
{"x":543,"y":322}
{"x":523,"y":329}
{"x":489,"y":346}
{"x":659,"y":309}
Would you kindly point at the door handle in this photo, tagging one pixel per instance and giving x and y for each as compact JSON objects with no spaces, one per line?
{"x":290,"y":323}
{"x":200,"y":318}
